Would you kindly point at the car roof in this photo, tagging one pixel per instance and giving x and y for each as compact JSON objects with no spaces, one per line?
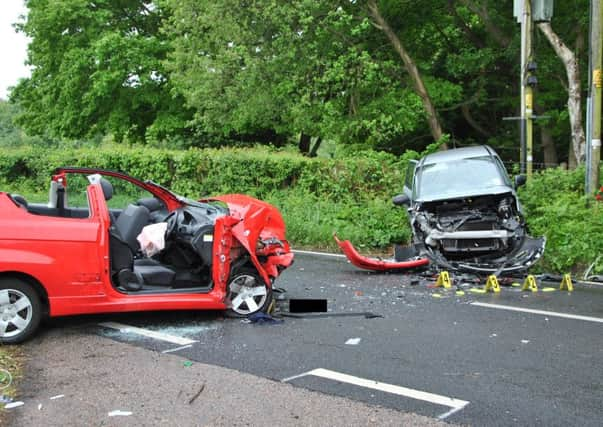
{"x":458,"y":153}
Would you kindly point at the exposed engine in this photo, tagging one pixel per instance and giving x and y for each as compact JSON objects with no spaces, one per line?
{"x":470,"y":227}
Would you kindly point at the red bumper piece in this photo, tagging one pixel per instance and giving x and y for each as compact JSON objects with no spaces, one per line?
{"x":376,"y":264}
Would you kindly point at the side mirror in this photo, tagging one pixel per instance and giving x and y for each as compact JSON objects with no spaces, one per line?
{"x":519,"y":180}
{"x":401,"y":200}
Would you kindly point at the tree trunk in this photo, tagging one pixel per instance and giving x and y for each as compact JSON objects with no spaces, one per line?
{"x":315,"y":147}
{"x":475,"y":125}
{"x":549,"y":150}
{"x":411,"y":69}
{"x":304,"y":143}
{"x":482,"y":11}
{"x":548,"y":147}
{"x":574,"y":107}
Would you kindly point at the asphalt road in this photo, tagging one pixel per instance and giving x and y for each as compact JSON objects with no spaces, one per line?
{"x":432,"y":352}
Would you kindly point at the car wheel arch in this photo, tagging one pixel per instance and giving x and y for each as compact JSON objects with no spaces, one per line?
{"x":33,"y":282}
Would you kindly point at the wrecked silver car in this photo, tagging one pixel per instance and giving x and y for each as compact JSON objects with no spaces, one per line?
{"x":465,"y":215}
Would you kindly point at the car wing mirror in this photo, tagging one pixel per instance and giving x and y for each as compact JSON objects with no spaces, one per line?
{"x":401,"y":200}
{"x":519,"y":180}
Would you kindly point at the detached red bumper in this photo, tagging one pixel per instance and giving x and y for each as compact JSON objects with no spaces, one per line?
{"x":374,"y":264}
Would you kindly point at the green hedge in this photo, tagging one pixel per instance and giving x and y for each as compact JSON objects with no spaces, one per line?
{"x":316,"y":196}
{"x":319,"y":196}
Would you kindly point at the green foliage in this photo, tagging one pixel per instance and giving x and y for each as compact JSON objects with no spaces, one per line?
{"x":97,"y":69}
{"x":556,"y":208}
{"x":317,"y":196}
{"x":349,"y":195}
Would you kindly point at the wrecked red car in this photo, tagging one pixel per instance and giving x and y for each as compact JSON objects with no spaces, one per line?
{"x":81,"y":252}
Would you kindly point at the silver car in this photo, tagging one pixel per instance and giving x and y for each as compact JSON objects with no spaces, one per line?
{"x":465,"y":215}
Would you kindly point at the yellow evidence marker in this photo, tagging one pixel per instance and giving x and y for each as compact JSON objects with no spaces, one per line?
{"x":492,"y":284}
{"x":530,"y":284}
{"x":443,"y":280}
{"x":566,"y":283}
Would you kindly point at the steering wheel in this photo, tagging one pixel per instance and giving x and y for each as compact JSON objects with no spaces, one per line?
{"x":172,"y":222}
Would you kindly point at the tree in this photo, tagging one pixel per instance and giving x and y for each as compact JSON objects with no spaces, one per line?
{"x":411,"y":69}
{"x":97,"y":68}
{"x":574,"y":99}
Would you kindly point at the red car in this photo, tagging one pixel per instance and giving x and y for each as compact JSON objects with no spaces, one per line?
{"x":80,"y":252}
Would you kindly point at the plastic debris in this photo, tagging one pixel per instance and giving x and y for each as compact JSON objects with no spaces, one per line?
{"x":119,"y":413}
{"x":358,"y":293}
{"x":263,"y":318}
{"x":525,"y":341}
{"x":58,"y":396}
{"x":13,"y":405}
{"x":353,"y":341}
{"x":39,"y":406}
{"x":5,"y":399}
{"x":460,"y":293}
{"x":187,"y":363}
{"x":436,"y":295}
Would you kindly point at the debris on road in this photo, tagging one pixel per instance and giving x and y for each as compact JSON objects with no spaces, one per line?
{"x":374,"y":264}
{"x":262,"y":318}
{"x":192,"y":399}
{"x":13,"y":405}
{"x":366,"y":315}
{"x":119,"y":413}
{"x":353,"y":341}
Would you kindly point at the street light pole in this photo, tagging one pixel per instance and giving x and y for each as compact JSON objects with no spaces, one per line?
{"x":527,"y":93}
{"x":596,"y":43}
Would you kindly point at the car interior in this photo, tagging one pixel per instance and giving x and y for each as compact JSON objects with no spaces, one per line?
{"x":180,"y":265}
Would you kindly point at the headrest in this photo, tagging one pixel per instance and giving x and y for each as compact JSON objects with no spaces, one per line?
{"x":107,"y":188}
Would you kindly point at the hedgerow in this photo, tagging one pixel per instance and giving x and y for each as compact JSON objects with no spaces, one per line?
{"x":350,"y":196}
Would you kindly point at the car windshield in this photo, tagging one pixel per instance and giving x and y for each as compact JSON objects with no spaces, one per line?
{"x":456,"y":178}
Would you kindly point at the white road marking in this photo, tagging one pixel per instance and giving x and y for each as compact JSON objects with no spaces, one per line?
{"x":542,"y":312}
{"x":177,"y":349}
{"x":455,"y":404}
{"x":295,"y":251}
{"x":147,"y":333}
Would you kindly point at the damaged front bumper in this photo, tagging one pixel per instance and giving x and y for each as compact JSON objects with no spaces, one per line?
{"x":517,"y":261}
{"x":375,"y":264}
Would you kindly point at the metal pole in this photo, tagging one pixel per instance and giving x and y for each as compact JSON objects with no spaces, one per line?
{"x":597,"y":83}
{"x":522,"y":112}
{"x":529,"y":94}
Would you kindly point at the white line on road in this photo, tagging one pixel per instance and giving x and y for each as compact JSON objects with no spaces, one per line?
{"x":542,"y":312}
{"x":147,"y":333}
{"x":455,"y":404}
{"x":172,"y":350}
{"x":295,"y":251}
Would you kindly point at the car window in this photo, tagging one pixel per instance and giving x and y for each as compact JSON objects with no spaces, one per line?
{"x":459,"y":177}
{"x":124,"y":192}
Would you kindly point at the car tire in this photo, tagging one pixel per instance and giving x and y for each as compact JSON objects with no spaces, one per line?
{"x":20,"y":311}
{"x":247,"y":293}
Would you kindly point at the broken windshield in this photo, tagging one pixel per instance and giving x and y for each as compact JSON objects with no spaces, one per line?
{"x":456,"y":178}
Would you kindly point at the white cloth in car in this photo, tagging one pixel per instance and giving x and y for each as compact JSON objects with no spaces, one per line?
{"x":152,"y":238}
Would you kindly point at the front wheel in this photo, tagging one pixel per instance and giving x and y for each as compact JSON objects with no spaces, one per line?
{"x":246,"y":293}
{"x":20,"y":311}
